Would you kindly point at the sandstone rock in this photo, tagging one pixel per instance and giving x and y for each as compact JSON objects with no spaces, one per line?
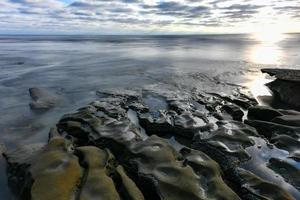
{"x":100,"y":175}
{"x":46,"y":173}
{"x":56,"y":167}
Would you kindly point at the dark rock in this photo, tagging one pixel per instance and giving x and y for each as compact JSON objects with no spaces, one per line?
{"x":227,"y":144}
{"x":286,"y":91}
{"x":282,"y":136}
{"x":287,"y":85}
{"x":88,"y":126}
{"x":234,"y":111}
{"x":257,"y":188}
{"x":289,"y":120}
{"x":286,"y":142}
{"x":270,"y":129}
{"x":284,"y":74}
{"x":288,"y":171}
{"x":161,"y":167}
{"x":101,"y":151}
{"x":263,"y":113}
{"x":289,"y":112}
{"x":43,"y":99}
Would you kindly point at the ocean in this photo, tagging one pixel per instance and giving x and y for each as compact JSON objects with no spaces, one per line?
{"x":78,"y":66}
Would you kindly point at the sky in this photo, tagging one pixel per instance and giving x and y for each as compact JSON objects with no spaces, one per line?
{"x":148,"y":16}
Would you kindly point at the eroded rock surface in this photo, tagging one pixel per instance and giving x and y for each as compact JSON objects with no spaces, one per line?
{"x":123,"y":146}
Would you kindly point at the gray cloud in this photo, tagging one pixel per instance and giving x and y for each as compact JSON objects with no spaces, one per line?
{"x":139,"y":14}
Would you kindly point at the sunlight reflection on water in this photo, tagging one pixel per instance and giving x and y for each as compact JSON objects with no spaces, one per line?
{"x":268,"y":50}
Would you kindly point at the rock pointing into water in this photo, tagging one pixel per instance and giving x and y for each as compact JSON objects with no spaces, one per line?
{"x":195,"y":148}
{"x":287,"y":85}
{"x":43,"y":99}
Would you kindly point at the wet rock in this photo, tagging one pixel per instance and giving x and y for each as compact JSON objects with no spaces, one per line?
{"x":187,"y":125}
{"x":18,"y":163}
{"x":263,"y":113}
{"x":283,"y":74}
{"x":227,"y":144}
{"x":40,"y":168}
{"x":97,"y":184}
{"x":159,"y":124}
{"x":286,"y":86}
{"x":289,"y":112}
{"x":207,"y":168}
{"x":270,"y":129}
{"x":104,"y":147}
{"x":282,"y":136}
{"x":100,"y":173}
{"x":110,"y":109}
{"x":234,"y":111}
{"x":88,"y":126}
{"x":286,"y":142}
{"x":160,"y":167}
{"x":43,"y":99}
{"x":138,"y":107}
{"x":254,"y":187}
{"x":58,"y":167}
{"x":289,"y":120}
{"x":290,"y":172}
{"x":286,"y":91}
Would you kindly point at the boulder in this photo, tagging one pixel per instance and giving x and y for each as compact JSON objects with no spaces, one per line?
{"x":43,"y":99}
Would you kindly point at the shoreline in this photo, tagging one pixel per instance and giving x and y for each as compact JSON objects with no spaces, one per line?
{"x":155,"y":140}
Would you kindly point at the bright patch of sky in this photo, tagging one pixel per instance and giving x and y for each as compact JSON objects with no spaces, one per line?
{"x":148,"y":16}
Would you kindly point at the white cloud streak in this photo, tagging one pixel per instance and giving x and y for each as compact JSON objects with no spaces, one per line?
{"x":146,"y":16}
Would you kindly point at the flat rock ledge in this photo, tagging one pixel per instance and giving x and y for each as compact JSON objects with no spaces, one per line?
{"x":194,"y":147}
{"x":286,"y":87}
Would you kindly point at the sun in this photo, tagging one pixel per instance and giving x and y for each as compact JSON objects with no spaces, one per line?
{"x":268,"y":35}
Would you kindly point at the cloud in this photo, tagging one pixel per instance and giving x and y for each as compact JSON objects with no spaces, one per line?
{"x":142,"y":15}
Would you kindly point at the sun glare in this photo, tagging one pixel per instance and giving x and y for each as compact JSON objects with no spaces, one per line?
{"x":268,"y":50}
{"x":269,"y":35}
